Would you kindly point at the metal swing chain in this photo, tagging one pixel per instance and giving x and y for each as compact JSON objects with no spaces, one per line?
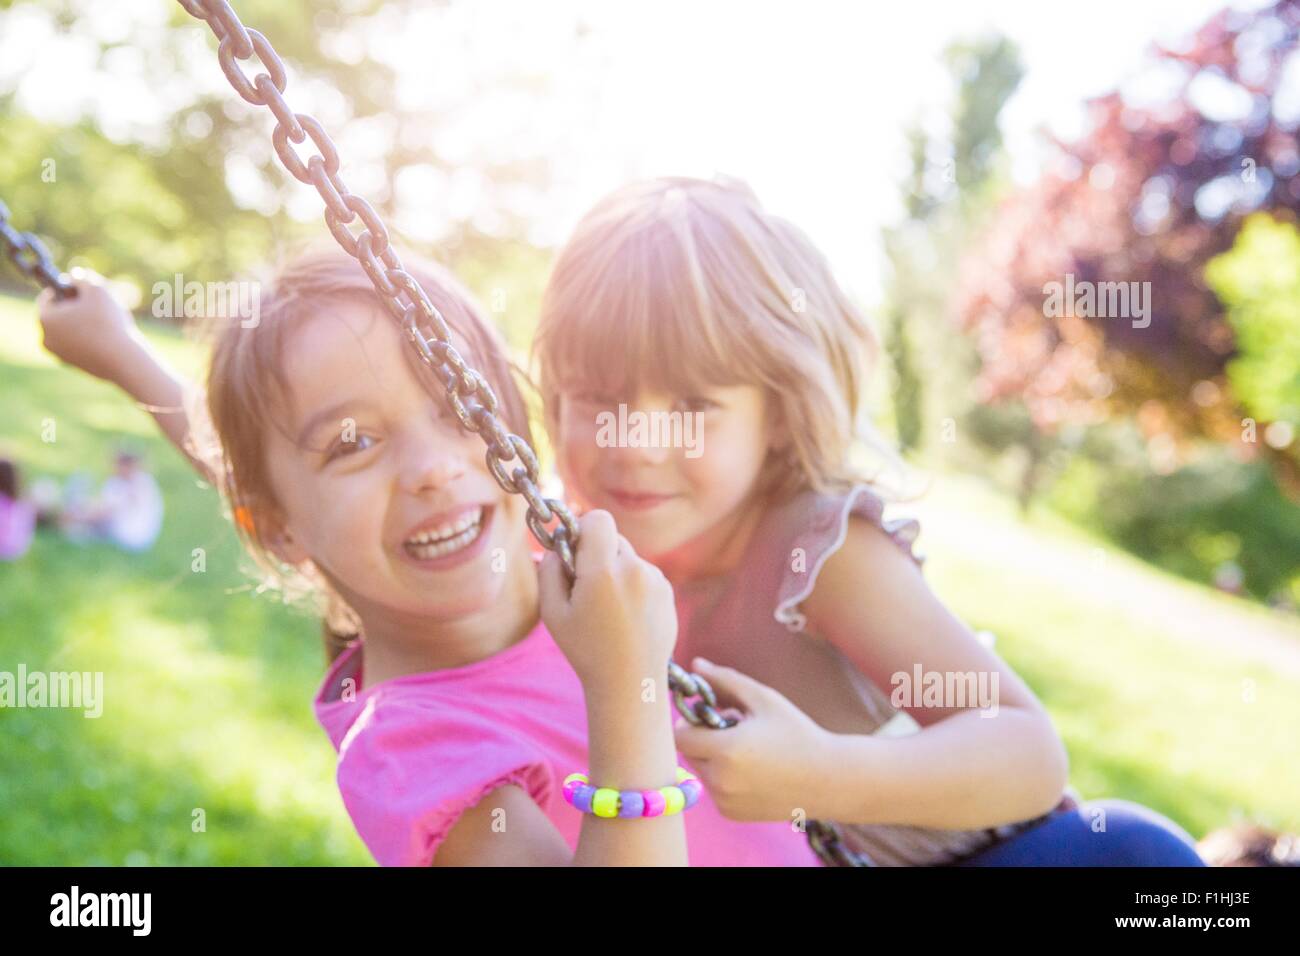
{"x":468,"y":394}
{"x":30,"y":257}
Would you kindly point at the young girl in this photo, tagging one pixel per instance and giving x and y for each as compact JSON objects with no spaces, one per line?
{"x":17,"y":515}
{"x":458,"y":714}
{"x":685,"y":303}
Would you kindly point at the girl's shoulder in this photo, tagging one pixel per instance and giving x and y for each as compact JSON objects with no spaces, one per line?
{"x":810,"y":527}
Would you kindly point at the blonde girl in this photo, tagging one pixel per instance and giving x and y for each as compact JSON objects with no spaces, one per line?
{"x":684,"y":297}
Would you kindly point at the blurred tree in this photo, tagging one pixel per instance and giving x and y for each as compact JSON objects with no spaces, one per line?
{"x":186,"y":180}
{"x":906,"y":383}
{"x":945,"y":195}
{"x":1259,"y":282}
{"x":987,"y":72}
{"x":1149,"y":195}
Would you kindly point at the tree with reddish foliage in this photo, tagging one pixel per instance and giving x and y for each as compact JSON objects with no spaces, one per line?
{"x":1150,"y":194}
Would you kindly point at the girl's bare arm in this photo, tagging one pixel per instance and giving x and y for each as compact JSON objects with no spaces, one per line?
{"x":974,"y":763}
{"x":164,"y":393}
{"x":93,"y":332}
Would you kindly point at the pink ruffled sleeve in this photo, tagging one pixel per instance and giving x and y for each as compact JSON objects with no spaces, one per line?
{"x":821,"y":533}
{"x":407,"y":771}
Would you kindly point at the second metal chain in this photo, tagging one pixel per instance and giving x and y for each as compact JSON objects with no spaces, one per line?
{"x":30,"y":257}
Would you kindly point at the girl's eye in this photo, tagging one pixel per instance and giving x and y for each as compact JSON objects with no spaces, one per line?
{"x":697,"y":403}
{"x":341,"y":449}
{"x":593,"y":398}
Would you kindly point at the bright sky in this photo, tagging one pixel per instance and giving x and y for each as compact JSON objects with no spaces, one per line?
{"x":807,"y":101}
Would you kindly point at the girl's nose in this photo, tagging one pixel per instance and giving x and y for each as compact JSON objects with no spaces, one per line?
{"x":645,"y":442}
{"x":432,"y":462}
{"x":643,"y":451}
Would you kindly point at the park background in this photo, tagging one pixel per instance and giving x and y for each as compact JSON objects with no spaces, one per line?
{"x":1091,"y":482}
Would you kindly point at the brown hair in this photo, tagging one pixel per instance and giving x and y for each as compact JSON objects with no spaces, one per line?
{"x":246,"y":389}
{"x":678,"y":284}
{"x":8,"y":478}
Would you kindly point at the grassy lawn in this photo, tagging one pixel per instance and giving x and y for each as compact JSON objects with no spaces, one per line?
{"x":1194,"y":730}
{"x":208,"y":685}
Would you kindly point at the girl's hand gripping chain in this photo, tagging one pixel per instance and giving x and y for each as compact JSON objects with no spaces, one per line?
{"x":91,"y":331}
{"x":770,"y":765}
{"x":617,"y":627}
{"x":618,"y":624}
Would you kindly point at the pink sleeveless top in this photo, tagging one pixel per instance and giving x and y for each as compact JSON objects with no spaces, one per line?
{"x":749,"y":619}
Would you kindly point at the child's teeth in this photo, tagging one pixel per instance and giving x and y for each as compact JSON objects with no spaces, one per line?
{"x":447,"y":538}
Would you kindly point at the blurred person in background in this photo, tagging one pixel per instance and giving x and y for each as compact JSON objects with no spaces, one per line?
{"x":127,"y":512}
{"x":17,"y":516}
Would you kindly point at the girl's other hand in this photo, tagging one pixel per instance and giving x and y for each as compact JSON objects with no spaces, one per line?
{"x":618,"y":624}
{"x":90,"y":331}
{"x":771,"y":765}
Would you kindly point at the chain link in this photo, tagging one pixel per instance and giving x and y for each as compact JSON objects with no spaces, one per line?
{"x":30,"y":257}
{"x":467,"y":393}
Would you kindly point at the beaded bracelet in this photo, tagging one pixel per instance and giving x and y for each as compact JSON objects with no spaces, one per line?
{"x":625,"y":804}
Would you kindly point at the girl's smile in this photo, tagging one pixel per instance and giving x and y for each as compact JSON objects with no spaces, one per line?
{"x":637,"y":500}
{"x":449,"y":539}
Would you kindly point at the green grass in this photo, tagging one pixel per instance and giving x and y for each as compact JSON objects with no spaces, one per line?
{"x":1196,"y":732}
{"x":208,"y":685}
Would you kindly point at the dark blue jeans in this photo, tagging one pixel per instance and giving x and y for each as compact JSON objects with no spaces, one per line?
{"x":1133,"y":835}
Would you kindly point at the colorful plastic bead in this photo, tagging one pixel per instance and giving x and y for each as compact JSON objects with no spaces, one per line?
{"x":605,"y":802}
{"x":571,"y":784}
{"x":631,"y":804}
{"x":582,"y":797}
{"x":674,"y":800}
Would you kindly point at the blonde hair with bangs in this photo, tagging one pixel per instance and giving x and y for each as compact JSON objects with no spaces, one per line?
{"x":676,"y":284}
